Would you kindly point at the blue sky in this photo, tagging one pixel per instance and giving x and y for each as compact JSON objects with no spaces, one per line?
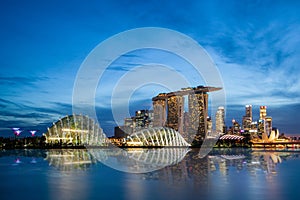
{"x":255,"y":45}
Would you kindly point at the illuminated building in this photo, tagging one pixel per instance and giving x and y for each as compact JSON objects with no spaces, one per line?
{"x":129,"y":124}
{"x":236,"y":128}
{"x":209,"y":126}
{"x":261,"y":121}
{"x":159,"y":110}
{"x":262,"y":112}
{"x":175,"y":113}
{"x":142,"y":119}
{"x":260,"y":127}
{"x":268,"y":125}
{"x":159,"y":136}
{"x":169,"y":111}
{"x":247,"y":119}
{"x":198,"y":105}
{"x":76,"y":130}
{"x":220,"y":120}
{"x":253,"y":129}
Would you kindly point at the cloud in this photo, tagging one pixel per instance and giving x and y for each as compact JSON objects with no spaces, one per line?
{"x":27,"y":115}
{"x":261,"y":66}
{"x":6,"y":103}
{"x":256,"y":45}
{"x":20,"y":79}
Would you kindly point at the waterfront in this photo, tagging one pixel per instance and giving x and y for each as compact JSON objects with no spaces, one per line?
{"x":78,"y":174}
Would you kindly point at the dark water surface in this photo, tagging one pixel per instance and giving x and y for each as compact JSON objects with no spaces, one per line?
{"x":80,"y":174}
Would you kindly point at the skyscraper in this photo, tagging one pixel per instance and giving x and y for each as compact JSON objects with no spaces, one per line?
{"x":160,"y":110}
{"x":236,"y":128}
{"x":247,"y":118}
{"x":220,"y":120}
{"x":262,"y":112}
{"x":268,"y":125}
{"x":198,"y":105}
{"x":175,"y":113}
{"x":169,"y":111}
{"x":248,"y":111}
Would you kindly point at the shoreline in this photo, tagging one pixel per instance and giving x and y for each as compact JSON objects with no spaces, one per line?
{"x":270,"y":147}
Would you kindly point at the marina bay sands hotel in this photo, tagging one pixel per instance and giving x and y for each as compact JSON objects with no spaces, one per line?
{"x":169,"y":111}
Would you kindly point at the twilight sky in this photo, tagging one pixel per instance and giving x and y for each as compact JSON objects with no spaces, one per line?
{"x":255,"y":45}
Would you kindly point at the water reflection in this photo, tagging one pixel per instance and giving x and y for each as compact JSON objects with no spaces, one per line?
{"x":139,"y":160}
{"x":185,"y":175}
{"x":70,"y":159}
{"x":186,"y":162}
{"x":198,"y":170}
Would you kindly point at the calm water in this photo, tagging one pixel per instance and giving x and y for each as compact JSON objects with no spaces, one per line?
{"x":79,"y":174}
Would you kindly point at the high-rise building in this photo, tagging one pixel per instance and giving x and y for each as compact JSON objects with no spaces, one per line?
{"x":160,"y":110}
{"x":142,"y":119}
{"x":268,"y":125}
{"x":262,"y":112}
{"x":248,"y":109}
{"x":264,"y":123}
{"x":253,"y":129}
{"x":220,"y":120}
{"x":209,"y":126}
{"x":198,"y":105}
{"x":169,"y":111}
{"x":236,"y":128}
{"x":247,"y":118}
{"x":175,"y":113}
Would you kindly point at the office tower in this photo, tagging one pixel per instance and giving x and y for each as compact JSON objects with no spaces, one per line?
{"x":236,"y":128}
{"x":248,"y":109}
{"x":247,"y":118}
{"x":264,"y":123}
{"x":268,"y":125}
{"x":220,"y":120}
{"x":262,"y":112}
{"x":140,"y":119}
{"x":209,"y":126}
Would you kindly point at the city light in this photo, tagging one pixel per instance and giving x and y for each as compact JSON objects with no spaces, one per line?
{"x":33,"y":133}
{"x":18,"y":132}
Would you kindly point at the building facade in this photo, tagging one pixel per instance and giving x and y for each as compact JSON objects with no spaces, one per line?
{"x":169,"y":111}
{"x":220,"y":120}
{"x":247,"y":119}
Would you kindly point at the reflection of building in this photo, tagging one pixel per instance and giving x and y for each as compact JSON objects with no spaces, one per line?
{"x":69,"y":159}
{"x":75,"y":130}
{"x":139,"y":160}
{"x":169,"y":110}
{"x":220,"y":120}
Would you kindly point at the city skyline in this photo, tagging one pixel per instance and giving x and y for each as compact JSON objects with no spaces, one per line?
{"x":255,"y":46}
